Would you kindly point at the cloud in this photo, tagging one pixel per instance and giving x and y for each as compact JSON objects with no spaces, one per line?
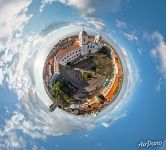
{"x":121,"y":24}
{"x":88,"y":7}
{"x":129,"y":32}
{"x":90,"y":10}
{"x":12,"y":16}
{"x":115,"y":118}
{"x":11,"y":142}
{"x":10,"y":137}
{"x":140,"y":50}
{"x":18,"y":122}
{"x":98,"y":23}
{"x":158,"y":52}
{"x":158,"y":86}
{"x":130,"y":36}
{"x":1,"y":76}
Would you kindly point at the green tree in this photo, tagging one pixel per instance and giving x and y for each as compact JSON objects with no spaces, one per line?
{"x":86,"y":75}
{"x":61,"y":93}
{"x":56,"y":88}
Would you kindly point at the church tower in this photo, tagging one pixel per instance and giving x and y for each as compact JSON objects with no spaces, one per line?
{"x":83,"y":38}
{"x":97,"y":39}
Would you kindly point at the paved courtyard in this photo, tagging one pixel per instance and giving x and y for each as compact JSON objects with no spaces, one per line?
{"x":84,"y":88}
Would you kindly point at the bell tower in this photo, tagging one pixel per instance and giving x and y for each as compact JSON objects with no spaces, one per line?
{"x":83,"y":38}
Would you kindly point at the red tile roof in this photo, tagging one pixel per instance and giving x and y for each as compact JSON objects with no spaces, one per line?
{"x":63,"y":51}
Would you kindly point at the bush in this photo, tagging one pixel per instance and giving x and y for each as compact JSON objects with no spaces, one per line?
{"x":86,"y":76}
{"x":105,"y":51}
{"x":93,"y":68}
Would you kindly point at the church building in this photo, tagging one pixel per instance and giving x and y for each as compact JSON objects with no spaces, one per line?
{"x":82,"y":46}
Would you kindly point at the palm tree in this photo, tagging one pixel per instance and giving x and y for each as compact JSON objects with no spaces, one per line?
{"x":56,"y":89}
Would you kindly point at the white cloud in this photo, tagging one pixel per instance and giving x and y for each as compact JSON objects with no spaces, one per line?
{"x":11,"y":141}
{"x":10,"y":138}
{"x":98,"y":23}
{"x":131,"y":36}
{"x":1,"y":76}
{"x":90,"y":10}
{"x":159,"y":52}
{"x":158,"y":86}
{"x":12,"y":16}
{"x":140,"y":50}
{"x":18,"y":122}
{"x":88,"y":7}
{"x":129,"y":32}
{"x":121,"y":24}
{"x":115,"y":118}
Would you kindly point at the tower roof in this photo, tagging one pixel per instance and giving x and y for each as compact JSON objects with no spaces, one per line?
{"x":83,"y":33}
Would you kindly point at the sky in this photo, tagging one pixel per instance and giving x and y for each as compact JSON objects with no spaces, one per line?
{"x":136,"y":29}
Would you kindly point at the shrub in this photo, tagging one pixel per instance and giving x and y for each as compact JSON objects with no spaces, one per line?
{"x":86,"y":76}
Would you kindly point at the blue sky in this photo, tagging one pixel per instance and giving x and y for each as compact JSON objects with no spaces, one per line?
{"x":136,"y":26}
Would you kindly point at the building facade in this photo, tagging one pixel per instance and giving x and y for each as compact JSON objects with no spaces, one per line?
{"x":81,"y":46}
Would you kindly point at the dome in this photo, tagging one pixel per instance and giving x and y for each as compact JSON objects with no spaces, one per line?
{"x":83,"y":33}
